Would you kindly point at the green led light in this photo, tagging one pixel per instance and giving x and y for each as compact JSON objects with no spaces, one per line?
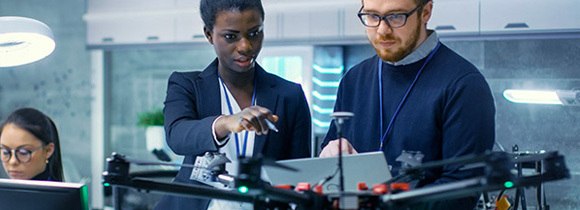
{"x":107,"y":184}
{"x":508,"y":184}
{"x":243,"y":189}
{"x":85,"y":197}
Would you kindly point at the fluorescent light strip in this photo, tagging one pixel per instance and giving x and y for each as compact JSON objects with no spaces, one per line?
{"x":319,"y":123}
{"x":328,"y":70}
{"x":325,"y":84}
{"x":532,"y":96}
{"x":322,"y":97}
{"x":321,"y":110}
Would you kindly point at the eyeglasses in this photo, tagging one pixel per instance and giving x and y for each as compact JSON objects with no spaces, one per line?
{"x":22,"y":155}
{"x":393,"y":20}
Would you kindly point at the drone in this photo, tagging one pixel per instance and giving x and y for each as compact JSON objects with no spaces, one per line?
{"x":247,"y":186}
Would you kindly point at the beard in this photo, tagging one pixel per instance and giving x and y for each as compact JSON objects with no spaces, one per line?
{"x":398,"y":53}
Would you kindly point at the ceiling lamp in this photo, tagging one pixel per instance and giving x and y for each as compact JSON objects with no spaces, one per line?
{"x":24,"y":40}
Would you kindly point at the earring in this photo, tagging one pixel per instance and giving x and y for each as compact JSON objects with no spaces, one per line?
{"x":46,"y":161}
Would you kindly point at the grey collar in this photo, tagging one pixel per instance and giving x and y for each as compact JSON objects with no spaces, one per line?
{"x":421,"y":52}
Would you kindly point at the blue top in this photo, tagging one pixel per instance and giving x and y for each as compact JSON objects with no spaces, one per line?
{"x":44,"y":176}
{"x":449,"y":112}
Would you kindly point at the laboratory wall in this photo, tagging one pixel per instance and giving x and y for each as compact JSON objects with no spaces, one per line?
{"x":58,"y":85}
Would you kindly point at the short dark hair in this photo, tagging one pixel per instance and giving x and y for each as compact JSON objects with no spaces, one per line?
{"x":422,"y":2}
{"x":209,"y":9}
{"x":43,"y":128}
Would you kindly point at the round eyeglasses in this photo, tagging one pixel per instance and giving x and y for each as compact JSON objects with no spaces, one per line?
{"x":21,"y":155}
{"x":393,"y":20}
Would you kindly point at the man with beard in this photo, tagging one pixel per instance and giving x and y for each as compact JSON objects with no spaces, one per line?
{"x":415,"y":95}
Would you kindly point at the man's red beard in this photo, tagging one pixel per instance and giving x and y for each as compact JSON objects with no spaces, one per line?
{"x":397,"y":54}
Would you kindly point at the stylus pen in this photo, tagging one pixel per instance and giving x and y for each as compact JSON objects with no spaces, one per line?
{"x":271,"y":125}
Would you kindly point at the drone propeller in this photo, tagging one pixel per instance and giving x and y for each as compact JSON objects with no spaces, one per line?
{"x":153,"y":163}
{"x":272,"y":162}
{"x":219,"y":160}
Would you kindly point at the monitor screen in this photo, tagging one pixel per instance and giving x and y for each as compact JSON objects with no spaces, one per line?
{"x":29,"y":194}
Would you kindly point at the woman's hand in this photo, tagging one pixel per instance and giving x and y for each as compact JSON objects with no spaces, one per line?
{"x":251,"y":119}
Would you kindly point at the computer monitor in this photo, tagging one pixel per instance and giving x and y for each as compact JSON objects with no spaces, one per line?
{"x":29,"y":194}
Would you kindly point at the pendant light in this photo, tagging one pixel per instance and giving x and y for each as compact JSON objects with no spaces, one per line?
{"x":24,"y":40}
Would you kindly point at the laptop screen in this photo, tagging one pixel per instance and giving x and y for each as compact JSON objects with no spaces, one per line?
{"x":370,"y":168}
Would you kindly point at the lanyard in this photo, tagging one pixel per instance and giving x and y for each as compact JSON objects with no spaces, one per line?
{"x":384,"y":135}
{"x":231,"y":113}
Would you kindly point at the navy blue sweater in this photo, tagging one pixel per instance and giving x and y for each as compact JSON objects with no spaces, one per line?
{"x":449,"y":113}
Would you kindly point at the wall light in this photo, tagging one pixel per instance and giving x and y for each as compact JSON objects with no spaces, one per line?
{"x":24,"y":40}
{"x":558,"y":97}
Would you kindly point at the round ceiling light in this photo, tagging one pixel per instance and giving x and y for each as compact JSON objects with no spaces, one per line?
{"x":24,"y":40}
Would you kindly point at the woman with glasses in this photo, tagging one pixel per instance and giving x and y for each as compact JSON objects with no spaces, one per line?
{"x":29,"y":146}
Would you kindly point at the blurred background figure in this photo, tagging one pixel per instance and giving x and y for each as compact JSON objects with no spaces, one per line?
{"x":30,"y":146}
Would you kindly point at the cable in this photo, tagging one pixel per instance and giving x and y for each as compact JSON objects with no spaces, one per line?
{"x":328,"y":178}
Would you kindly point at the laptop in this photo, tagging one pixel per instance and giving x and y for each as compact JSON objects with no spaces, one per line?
{"x":370,"y":168}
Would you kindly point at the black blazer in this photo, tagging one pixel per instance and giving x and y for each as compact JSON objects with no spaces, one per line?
{"x":193,"y":102}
